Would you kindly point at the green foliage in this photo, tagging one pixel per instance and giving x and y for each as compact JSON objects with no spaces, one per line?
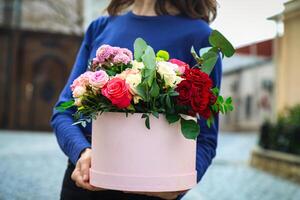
{"x":189,"y":128}
{"x":65,"y":106}
{"x":284,"y":135}
{"x":147,"y":120}
{"x":224,"y":106}
{"x":196,"y":56}
{"x":210,"y":59}
{"x":139,"y":48}
{"x":218,"y":41}
{"x":172,"y":118}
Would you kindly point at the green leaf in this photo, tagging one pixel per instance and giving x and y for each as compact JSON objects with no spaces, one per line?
{"x":230,"y":107}
{"x":195,"y":55}
{"x":155,"y":114}
{"x":220,"y":99}
{"x":154,"y":91}
{"x":216,"y":39}
{"x":210,"y":121}
{"x":168,"y":101}
{"x":147,"y":122}
{"x":189,"y":128}
{"x":139,"y":48}
{"x":221,"y":107}
{"x":172,"y":118}
{"x":131,"y":107}
{"x":151,"y":74}
{"x":228,"y":100}
{"x":210,"y":59}
{"x":214,"y":49}
{"x":65,"y":105}
{"x":145,"y":115}
{"x":149,"y":58}
{"x":215,"y":91}
{"x":141,"y":91}
{"x":164,"y":55}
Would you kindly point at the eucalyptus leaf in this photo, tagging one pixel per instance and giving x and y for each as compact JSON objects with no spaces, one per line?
{"x":139,"y":48}
{"x":149,"y":58}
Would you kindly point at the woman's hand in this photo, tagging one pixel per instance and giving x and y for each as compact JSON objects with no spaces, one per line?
{"x":81,"y":172}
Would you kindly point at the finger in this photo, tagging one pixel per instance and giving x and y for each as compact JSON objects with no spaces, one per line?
{"x":74,"y":174}
{"x":84,"y":170}
{"x":85,"y":185}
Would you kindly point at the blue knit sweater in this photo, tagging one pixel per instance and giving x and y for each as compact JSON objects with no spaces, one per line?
{"x":175,"y":34}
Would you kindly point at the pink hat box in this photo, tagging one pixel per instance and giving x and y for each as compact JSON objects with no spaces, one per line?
{"x":127,"y":156}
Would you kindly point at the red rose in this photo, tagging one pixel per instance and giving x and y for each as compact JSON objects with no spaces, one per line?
{"x":199,"y":78}
{"x":182,"y":66}
{"x":201,"y":96}
{"x":184,"y":90}
{"x":200,"y":101}
{"x":117,"y":91}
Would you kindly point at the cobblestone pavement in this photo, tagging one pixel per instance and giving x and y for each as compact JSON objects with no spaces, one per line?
{"x":32,"y":166}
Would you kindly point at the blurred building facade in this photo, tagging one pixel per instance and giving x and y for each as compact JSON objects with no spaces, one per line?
{"x":39,"y":41}
{"x":249,"y":78}
{"x":63,"y":16}
{"x":287,"y":53}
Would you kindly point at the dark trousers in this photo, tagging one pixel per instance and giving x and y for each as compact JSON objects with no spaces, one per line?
{"x":71,"y":192}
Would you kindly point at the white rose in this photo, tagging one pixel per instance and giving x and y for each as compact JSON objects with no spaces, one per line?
{"x":79,"y":91}
{"x":133,"y":81}
{"x":137,"y":65}
{"x":167,"y":72}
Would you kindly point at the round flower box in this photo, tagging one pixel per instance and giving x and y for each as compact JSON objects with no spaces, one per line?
{"x":127,"y":156}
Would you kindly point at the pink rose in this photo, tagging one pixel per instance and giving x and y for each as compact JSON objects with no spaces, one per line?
{"x":82,"y":80}
{"x":98,"y":79}
{"x":79,"y":91}
{"x":117,"y":91}
{"x":182,"y":66}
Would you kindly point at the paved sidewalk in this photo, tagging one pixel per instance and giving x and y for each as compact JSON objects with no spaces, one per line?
{"x":32,"y":166}
{"x":231,"y":178}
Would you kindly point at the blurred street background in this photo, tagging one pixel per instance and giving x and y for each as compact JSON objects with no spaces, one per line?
{"x":259,"y":145}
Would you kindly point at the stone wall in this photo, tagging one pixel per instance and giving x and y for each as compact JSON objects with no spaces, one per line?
{"x":277,"y":163}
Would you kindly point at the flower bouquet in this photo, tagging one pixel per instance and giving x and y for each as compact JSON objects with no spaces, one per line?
{"x":168,"y":94}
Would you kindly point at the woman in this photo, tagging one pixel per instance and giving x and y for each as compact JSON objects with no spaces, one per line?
{"x":172,"y":25}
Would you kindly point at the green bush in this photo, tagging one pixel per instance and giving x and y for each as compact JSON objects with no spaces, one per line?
{"x":284,"y":135}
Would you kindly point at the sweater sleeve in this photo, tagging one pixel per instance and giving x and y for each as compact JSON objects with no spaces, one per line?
{"x":207,"y":139}
{"x":70,"y":137}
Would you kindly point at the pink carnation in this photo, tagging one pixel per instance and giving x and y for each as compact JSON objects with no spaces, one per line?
{"x":121,"y":58}
{"x":107,"y":54}
{"x":104,"y":53}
